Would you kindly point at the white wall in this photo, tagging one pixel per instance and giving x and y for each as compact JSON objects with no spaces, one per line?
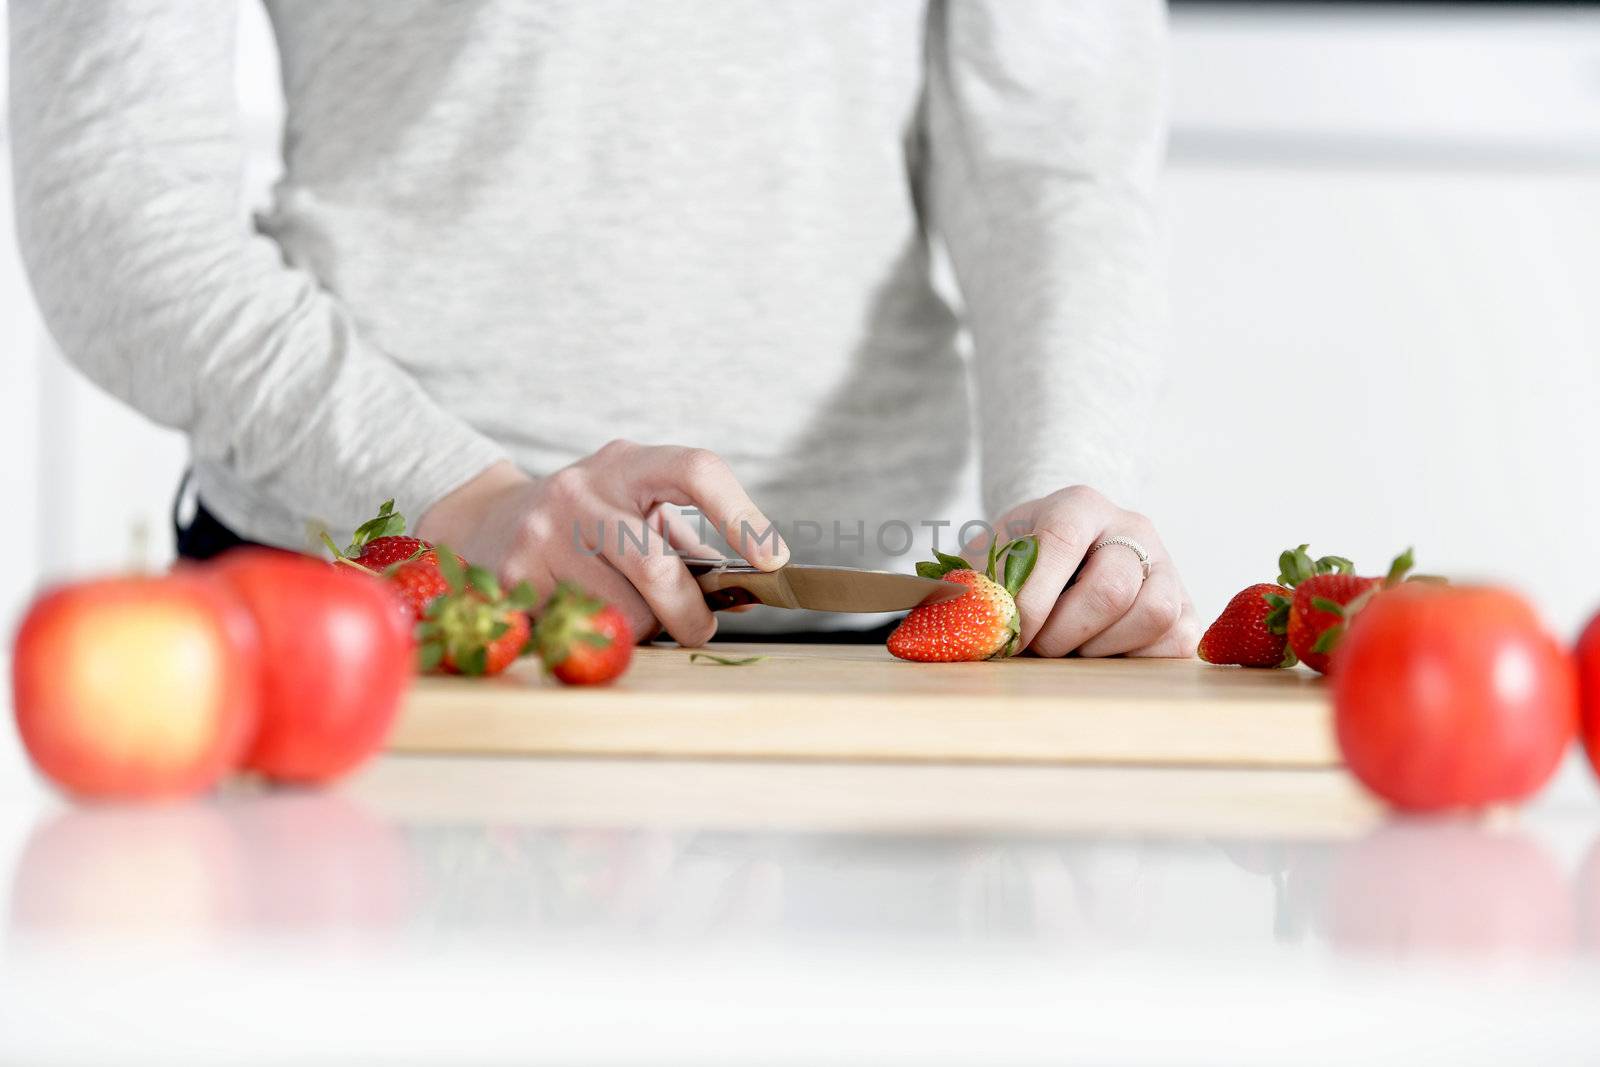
{"x":1370,"y":359}
{"x":1387,"y":241}
{"x":1385,"y":249}
{"x":92,"y":480}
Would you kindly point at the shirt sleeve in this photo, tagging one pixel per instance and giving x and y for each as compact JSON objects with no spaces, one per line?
{"x":1044,"y":132}
{"x":132,"y":223}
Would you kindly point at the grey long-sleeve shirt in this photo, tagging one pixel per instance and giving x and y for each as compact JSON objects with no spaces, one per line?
{"x":524,"y":228}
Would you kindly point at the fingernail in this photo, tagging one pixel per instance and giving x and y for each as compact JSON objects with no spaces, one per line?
{"x":763,"y":545}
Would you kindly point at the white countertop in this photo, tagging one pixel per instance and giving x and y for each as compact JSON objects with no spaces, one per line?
{"x":467,"y":911}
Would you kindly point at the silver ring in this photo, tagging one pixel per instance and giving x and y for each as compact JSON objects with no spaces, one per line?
{"x":1129,"y":543}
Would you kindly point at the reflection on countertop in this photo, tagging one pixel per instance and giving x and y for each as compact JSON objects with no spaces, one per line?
{"x":420,"y":854}
{"x":607,"y":911}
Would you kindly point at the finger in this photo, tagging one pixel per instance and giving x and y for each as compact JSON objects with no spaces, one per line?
{"x":700,"y":477}
{"x":681,"y":534}
{"x":1155,"y":611}
{"x":1102,"y":595}
{"x":662,"y":579}
{"x":1062,"y":547}
{"x":597,"y":577}
{"x":1179,"y":642}
{"x":685,"y":540}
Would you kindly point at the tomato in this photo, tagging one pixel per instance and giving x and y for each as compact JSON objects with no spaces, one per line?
{"x":135,"y":688}
{"x":1588,"y":654}
{"x":1452,"y":697}
{"x":336,"y":662}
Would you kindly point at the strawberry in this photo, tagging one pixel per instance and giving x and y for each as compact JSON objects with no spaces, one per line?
{"x":381,"y":548}
{"x":380,"y":542}
{"x":473,"y":627}
{"x":982,"y":623}
{"x":386,"y":552}
{"x":581,"y":639}
{"x":1317,"y":615}
{"x":1326,"y":596}
{"x":417,"y":581}
{"x":1241,"y":637}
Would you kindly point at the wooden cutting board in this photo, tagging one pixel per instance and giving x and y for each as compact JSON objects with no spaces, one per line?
{"x":851,"y":702}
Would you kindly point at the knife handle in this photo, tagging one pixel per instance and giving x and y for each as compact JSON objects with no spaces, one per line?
{"x":721,"y":598}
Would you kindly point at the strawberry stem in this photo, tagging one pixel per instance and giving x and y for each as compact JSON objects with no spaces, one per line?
{"x":725,"y":661}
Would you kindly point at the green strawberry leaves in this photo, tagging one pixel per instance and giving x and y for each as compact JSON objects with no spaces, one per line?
{"x":339,"y":556}
{"x":480,"y":579}
{"x":450,"y":568}
{"x":460,"y":625}
{"x":943,"y":563}
{"x":995,"y":551}
{"x":474,"y":661}
{"x":387,"y":523}
{"x":1009,"y":564}
{"x":1399,"y":568}
{"x":522,"y":597}
{"x":1020,"y":557}
{"x":564,"y":621}
{"x":1277,"y":620}
{"x":1295,"y":565}
{"x":1328,"y":639}
{"x":1332,"y":607}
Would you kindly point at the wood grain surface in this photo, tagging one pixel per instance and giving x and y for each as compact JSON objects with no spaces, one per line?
{"x":848,"y":702}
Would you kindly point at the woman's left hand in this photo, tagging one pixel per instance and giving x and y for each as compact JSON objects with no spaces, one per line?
{"x":1111,"y":608}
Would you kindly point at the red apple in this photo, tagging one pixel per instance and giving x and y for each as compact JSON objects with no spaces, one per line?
{"x":135,"y":687}
{"x":336,"y":662}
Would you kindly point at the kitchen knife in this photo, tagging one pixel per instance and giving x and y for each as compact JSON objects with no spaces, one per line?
{"x":729,"y":583}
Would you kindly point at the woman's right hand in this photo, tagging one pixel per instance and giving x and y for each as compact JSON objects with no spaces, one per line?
{"x":584,"y":523}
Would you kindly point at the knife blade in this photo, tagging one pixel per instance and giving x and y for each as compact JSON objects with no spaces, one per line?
{"x":728,"y":583}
